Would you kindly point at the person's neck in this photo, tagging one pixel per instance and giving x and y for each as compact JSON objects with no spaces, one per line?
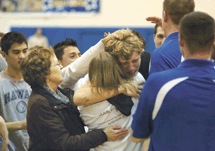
{"x":38,"y":35}
{"x":14,"y":73}
{"x":201,"y":56}
{"x":171,"y":28}
{"x":52,"y":86}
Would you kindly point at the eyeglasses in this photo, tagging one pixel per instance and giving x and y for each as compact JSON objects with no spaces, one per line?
{"x":58,"y":64}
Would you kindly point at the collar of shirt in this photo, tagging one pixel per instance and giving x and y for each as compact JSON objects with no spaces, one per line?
{"x":171,"y":36}
{"x":58,"y":95}
{"x":13,"y":81}
{"x":196,"y":62}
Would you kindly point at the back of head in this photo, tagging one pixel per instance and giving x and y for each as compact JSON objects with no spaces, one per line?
{"x":140,"y":37}
{"x":10,"y":38}
{"x":176,"y":9}
{"x":123,"y":44}
{"x":36,"y":66}
{"x":197,"y":30}
{"x":59,"y":47}
{"x":104,"y":72}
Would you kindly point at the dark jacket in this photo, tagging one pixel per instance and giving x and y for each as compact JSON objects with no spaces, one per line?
{"x":54,"y":125}
{"x":144,"y":66}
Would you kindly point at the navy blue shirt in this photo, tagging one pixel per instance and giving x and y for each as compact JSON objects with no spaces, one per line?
{"x":166,"y":56}
{"x":177,"y":108}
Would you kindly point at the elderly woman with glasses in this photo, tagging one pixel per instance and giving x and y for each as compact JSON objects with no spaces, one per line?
{"x":53,"y":121}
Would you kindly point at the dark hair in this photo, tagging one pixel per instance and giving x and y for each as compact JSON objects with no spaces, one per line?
{"x":140,"y":37}
{"x":59,"y":47}
{"x":36,"y":66}
{"x":176,"y":9}
{"x":156,"y":28}
{"x":197,"y":30}
{"x":10,"y":38}
{"x":1,"y":35}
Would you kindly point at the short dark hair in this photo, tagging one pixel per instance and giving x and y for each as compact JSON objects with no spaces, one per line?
{"x":1,"y":35}
{"x":59,"y":47}
{"x":197,"y":30}
{"x":140,"y":37}
{"x":176,"y":9}
{"x":10,"y":38}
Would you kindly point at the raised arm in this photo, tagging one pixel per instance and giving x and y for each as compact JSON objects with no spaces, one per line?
{"x":155,"y":20}
{"x":73,"y":72}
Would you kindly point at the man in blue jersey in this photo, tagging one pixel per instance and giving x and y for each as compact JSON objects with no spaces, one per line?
{"x":176,"y":107}
{"x":168,"y":55}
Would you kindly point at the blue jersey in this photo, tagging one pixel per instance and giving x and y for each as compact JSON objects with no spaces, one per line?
{"x":177,"y":108}
{"x":166,"y":56}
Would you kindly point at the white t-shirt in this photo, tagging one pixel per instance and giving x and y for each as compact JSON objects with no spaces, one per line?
{"x":103,"y":114}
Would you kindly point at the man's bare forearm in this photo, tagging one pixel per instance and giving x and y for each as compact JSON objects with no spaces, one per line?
{"x":15,"y":126}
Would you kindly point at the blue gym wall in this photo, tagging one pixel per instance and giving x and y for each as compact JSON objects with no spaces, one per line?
{"x":85,"y":37}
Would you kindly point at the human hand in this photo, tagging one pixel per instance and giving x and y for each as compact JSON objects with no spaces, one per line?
{"x":108,"y":36}
{"x":155,"y":20}
{"x":115,"y":133}
{"x":133,"y":89}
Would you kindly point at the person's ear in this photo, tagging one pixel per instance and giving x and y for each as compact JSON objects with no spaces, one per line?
{"x":165,"y":16}
{"x":61,"y":62}
{"x":4,"y":55}
{"x":181,"y":41}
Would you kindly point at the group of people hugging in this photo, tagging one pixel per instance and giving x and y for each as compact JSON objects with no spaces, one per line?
{"x":73,"y":102}
{"x":106,"y":98}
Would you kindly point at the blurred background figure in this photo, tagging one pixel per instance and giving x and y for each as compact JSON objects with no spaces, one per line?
{"x":38,"y":39}
{"x":159,"y":36}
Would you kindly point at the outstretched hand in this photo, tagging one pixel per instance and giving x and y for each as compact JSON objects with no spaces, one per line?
{"x":108,"y":36}
{"x":155,"y":20}
{"x":115,"y":133}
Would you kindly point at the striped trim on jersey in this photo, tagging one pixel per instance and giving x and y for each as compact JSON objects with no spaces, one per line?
{"x":163,"y":92}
